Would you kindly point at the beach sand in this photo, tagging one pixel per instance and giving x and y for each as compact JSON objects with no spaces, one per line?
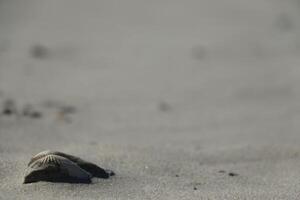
{"x":182,"y":99}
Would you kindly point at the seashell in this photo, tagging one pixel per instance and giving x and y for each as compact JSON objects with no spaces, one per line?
{"x":54,"y":168}
{"x":93,"y":169}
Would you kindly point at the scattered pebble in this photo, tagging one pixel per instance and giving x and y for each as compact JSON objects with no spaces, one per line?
{"x":63,"y":112}
{"x":232,"y":174}
{"x":9,"y":107}
{"x":177,"y":175}
{"x":195,"y":185}
{"x":36,"y":115}
{"x":29,"y":111}
{"x":229,"y":174}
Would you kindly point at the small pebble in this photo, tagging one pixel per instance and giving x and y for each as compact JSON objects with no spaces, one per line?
{"x":29,"y":111}
{"x":232,"y":174}
{"x":7,"y":111}
{"x":36,"y":115}
{"x":9,"y":107}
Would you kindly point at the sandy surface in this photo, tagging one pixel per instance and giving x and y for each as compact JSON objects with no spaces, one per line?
{"x":165,"y":93}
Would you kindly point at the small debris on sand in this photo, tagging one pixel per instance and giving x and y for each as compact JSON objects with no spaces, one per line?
{"x":29,"y":111}
{"x":9,"y":107}
{"x":232,"y":174}
{"x":195,"y":185}
{"x":36,"y":115}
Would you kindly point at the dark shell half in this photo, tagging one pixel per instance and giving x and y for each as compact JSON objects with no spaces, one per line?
{"x":54,"y":168}
{"x":93,"y":169}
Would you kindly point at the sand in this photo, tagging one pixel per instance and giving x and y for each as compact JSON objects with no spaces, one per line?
{"x":182,"y":99}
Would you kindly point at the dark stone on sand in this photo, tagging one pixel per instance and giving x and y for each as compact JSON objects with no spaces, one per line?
{"x":29,"y":111}
{"x":9,"y":107}
{"x":7,"y":111}
{"x":222,"y":171}
{"x":36,"y":115}
{"x":232,"y":174}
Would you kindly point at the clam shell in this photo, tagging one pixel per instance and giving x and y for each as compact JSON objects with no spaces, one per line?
{"x":55,"y":168}
{"x":93,"y":169}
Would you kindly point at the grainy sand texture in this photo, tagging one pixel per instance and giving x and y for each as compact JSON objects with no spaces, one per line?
{"x":182,"y":99}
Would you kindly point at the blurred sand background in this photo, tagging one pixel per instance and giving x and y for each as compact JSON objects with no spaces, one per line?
{"x":166,"y":93}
